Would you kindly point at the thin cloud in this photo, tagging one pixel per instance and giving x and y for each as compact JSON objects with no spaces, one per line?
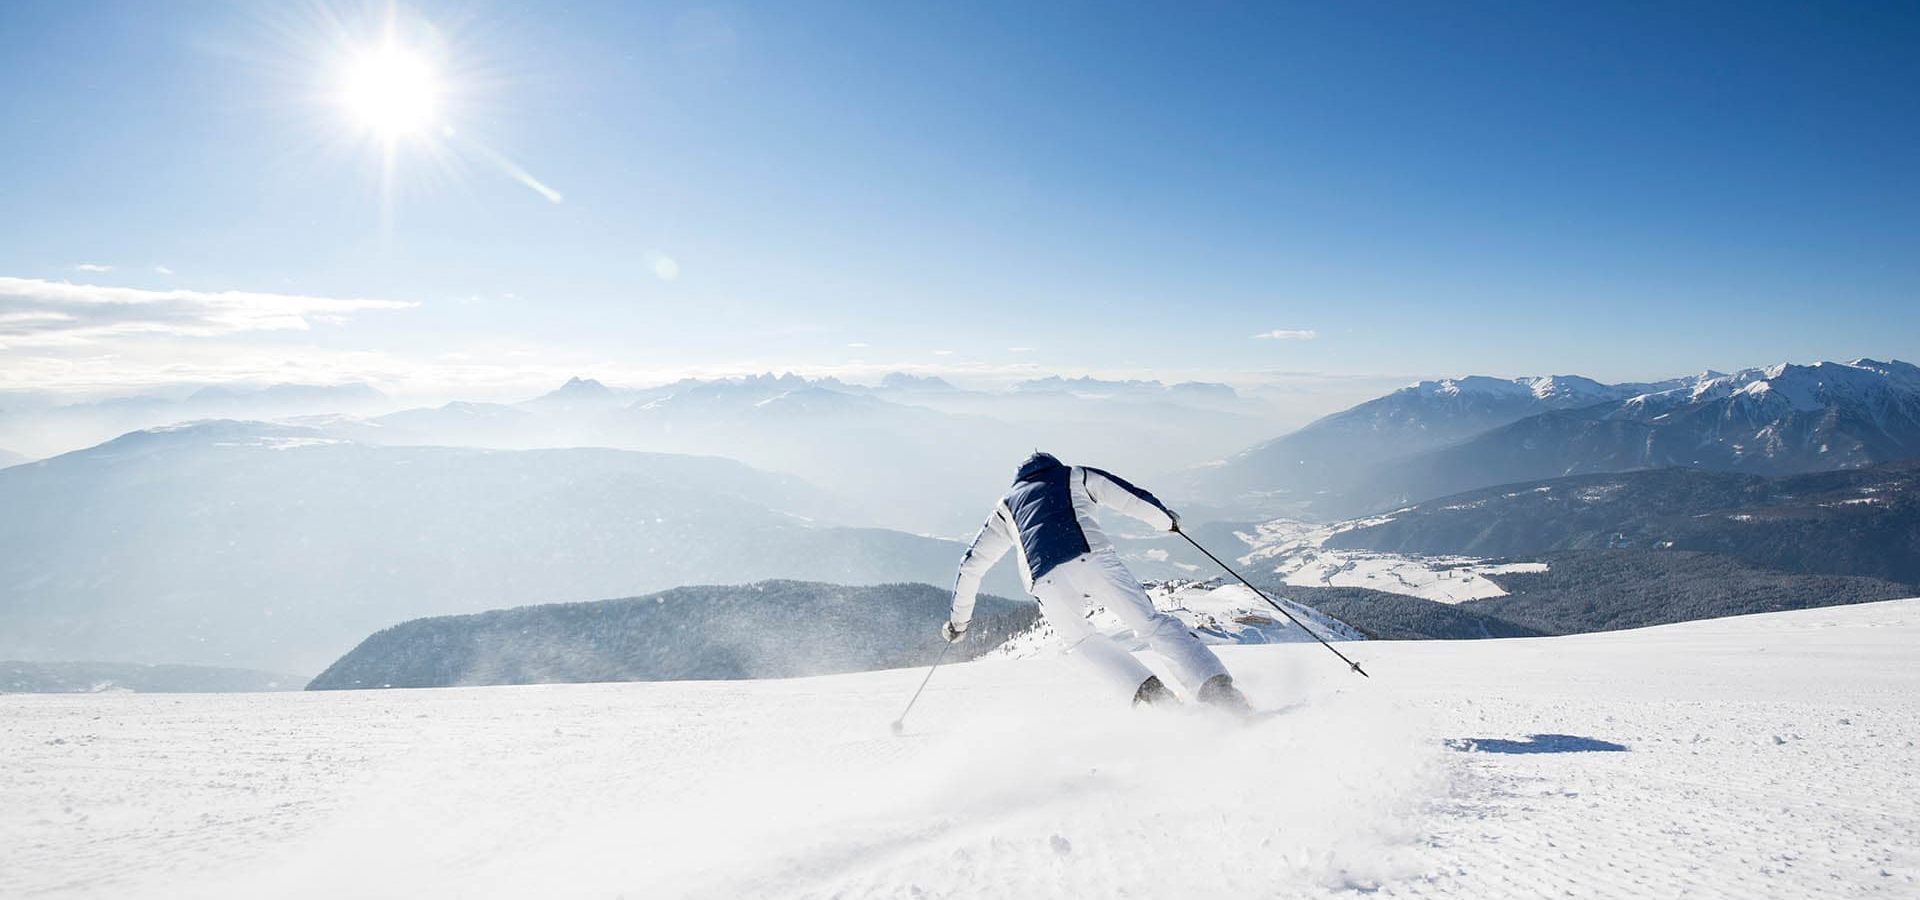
{"x":162,"y":270}
{"x":943,"y":352}
{"x":1287,"y":334}
{"x":1019,"y":349}
{"x":35,"y":312}
{"x":858,"y":345}
{"x":93,"y":267}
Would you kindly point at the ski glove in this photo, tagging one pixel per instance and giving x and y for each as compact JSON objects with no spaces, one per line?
{"x":953,"y":632}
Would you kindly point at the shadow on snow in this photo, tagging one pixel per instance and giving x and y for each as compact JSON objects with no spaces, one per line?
{"x":1539,"y":743}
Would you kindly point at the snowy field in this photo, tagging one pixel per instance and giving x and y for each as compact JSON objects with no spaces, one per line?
{"x":1296,"y":551}
{"x":1443,"y":579}
{"x":1767,"y":756}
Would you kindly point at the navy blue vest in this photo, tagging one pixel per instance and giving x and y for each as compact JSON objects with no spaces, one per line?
{"x":1042,"y":505}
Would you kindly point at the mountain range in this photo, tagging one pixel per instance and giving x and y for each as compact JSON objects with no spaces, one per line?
{"x":1441,"y":437}
{"x":40,"y":426}
{"x":913,"y":452}
{"x":1318,"y":463}
{"x":275,"y":546}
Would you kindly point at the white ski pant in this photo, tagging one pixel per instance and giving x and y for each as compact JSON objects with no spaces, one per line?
{"x":1101,"y":578}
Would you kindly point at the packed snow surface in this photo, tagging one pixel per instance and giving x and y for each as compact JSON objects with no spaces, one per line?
{"x":1765,"y":756}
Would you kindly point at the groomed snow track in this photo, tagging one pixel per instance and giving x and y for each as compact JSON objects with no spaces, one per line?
{"x":1766,"y":756}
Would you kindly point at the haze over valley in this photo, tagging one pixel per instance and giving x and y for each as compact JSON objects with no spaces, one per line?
{"x":279,"y":542}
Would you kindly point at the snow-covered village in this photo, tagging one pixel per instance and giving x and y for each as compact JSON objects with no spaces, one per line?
{"x":464,"y":449}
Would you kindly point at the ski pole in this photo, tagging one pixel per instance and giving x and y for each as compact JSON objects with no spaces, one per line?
{"x":1263,"y":595}
{"x":900,"y":724}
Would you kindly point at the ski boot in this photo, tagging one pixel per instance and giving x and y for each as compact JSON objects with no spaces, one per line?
{"x":1219,"y":693}
{"x":1153,"y":693}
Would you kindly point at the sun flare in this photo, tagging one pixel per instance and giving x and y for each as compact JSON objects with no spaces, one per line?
{"x":391,"y":91}
{"x":409,"y":99}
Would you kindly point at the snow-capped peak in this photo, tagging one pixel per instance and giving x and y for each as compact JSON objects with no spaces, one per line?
{"x":578,"y":393}
{"x":1796,"y":387}
{"x":1558,"y":390}
{"x":1905,"y":375}
{"x":1472,"y":384}
{"x":1570,"y":387}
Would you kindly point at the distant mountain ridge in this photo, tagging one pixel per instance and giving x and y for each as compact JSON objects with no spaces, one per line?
{"x":20,"y":677}
{"x":50,"y":428}
{"x":274,"y":546}
{"x":913,"y":452}
{"x":1441,"y":437}
{"x":1290,"y":473}
{"x":579,"y":393}
{"x":1099,"y":386}
{"x":770,"y":629}
{"x":1776,"y":420}
{"x":227,"y":399}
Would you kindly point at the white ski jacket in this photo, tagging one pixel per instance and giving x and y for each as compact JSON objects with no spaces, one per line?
{"x":1047,"y":519}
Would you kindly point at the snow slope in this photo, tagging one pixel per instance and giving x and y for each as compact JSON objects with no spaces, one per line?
{"x":1766,"y":756}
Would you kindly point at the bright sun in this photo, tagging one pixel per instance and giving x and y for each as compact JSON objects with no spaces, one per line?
{"x":399,"y":93}
{"x":391,"y":91}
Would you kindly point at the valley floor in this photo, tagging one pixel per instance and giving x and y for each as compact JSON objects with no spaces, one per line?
{"x":1766,"y":756}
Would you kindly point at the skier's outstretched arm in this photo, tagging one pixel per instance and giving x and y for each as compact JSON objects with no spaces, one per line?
{"x":1108,"y":489}
{"x":993,"y":541}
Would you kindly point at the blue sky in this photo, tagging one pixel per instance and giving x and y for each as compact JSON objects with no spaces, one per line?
{"x":1620,"y":190}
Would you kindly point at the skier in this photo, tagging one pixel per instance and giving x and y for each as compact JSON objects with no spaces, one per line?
{"x":1066,"y":563}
